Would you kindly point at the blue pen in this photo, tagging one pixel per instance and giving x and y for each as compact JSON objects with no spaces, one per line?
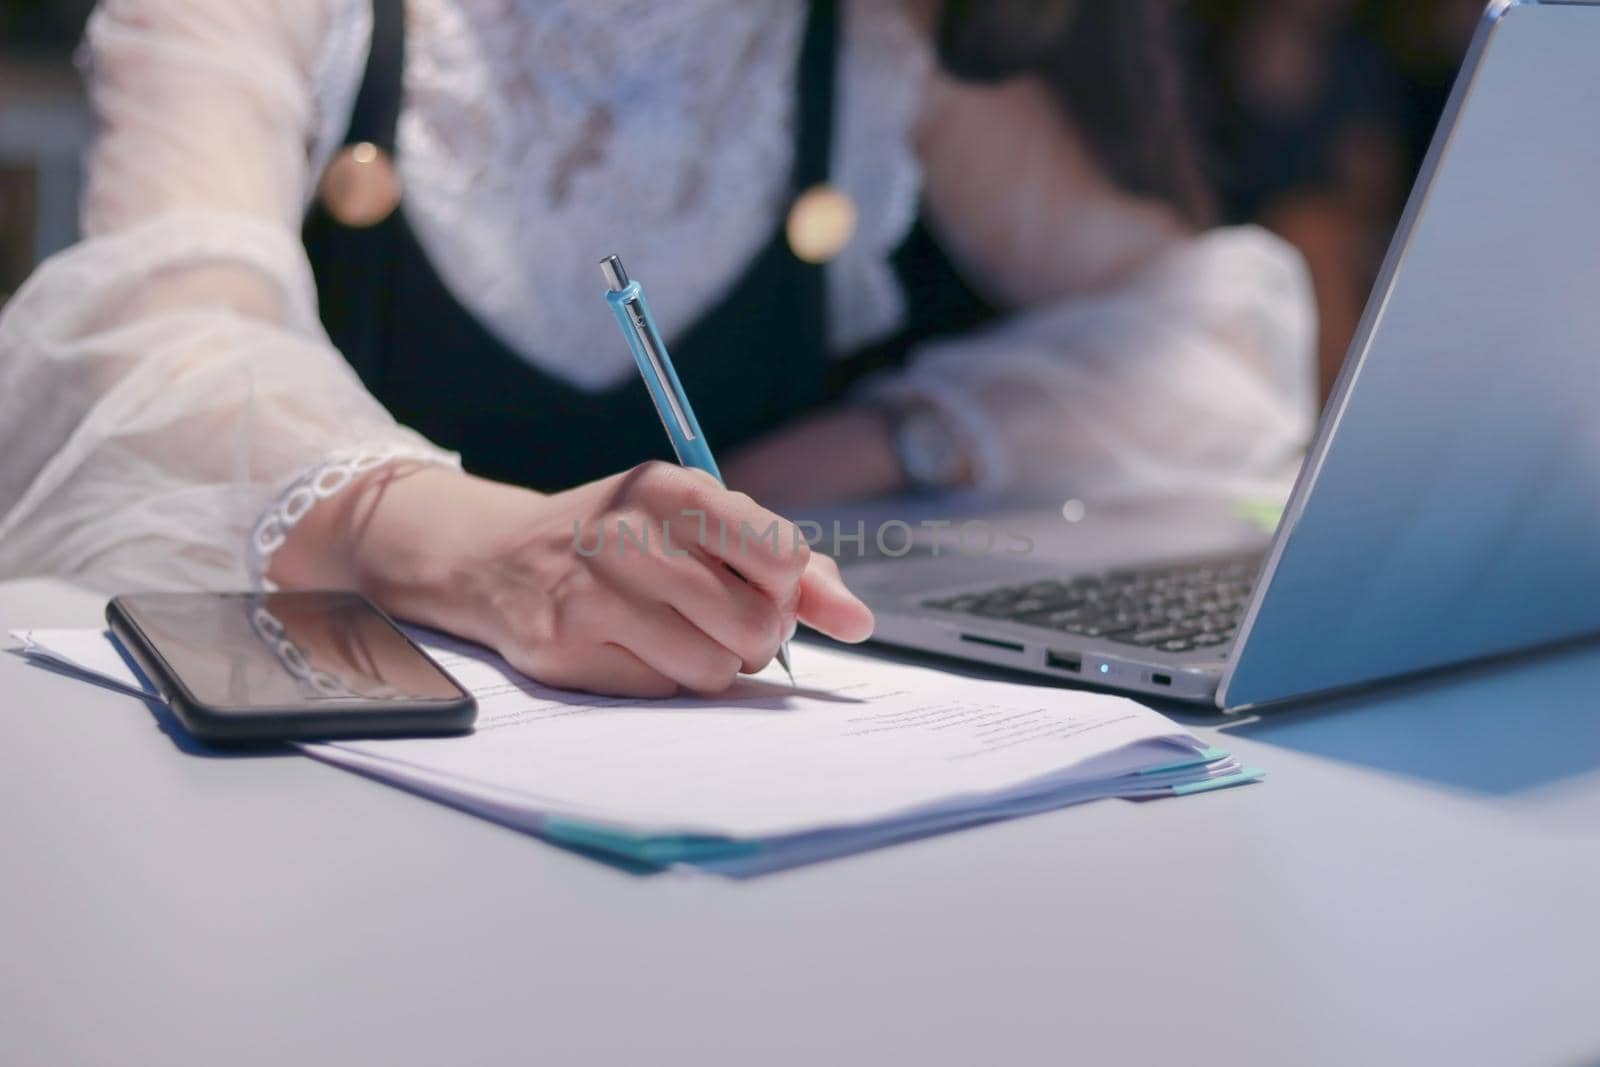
{"x":672,"y":404}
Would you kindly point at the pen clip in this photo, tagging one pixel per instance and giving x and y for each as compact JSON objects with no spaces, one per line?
{"x":668,"y":382}
{"x":632,"y":310}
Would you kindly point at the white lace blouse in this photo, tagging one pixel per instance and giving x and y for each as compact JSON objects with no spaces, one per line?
{"x":170,"y":405}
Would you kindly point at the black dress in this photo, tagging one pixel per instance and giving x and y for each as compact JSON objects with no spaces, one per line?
{"x":441,"y":372}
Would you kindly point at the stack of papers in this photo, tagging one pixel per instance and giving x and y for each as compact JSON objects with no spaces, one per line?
{"x":860,"y":753}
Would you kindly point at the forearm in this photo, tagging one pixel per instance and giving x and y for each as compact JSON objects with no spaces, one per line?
{"x":165,"y":381}
{"x":1195,"y":375}
{"x":841,"y":454}
{"x":409,"y":536}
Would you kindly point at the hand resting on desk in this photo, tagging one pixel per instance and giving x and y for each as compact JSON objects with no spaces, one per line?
{"x":555,"y":585}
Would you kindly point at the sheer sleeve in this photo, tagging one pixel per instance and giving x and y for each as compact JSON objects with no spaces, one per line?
{"x":169,"y":402}
{"x":1194,"y":376}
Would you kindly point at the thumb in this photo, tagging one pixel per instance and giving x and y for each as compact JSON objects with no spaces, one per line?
{"x":827,"y":606}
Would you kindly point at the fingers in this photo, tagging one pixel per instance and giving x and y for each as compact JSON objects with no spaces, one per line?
{"x":607,"y":643}
{"x":707,"y":584}
{"x":674,"y":647}
{"x":828,"y":606}
{"x":705,"y":592}
{"x":607,"y":669}
{"x":725,"y":608}
{"x":764,"y":548}
{"x":647,"y":582}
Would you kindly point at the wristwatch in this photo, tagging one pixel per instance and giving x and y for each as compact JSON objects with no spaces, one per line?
{"x":928,"y":449}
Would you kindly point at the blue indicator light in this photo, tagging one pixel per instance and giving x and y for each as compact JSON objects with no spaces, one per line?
{"x":1105,"y":668}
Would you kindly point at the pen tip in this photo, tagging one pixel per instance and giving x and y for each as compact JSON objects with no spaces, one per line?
{"x":783,"y":661}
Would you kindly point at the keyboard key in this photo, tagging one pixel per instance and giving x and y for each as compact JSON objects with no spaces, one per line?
{"x":1089,"y":629}
{"x":1055,"y":620}
{"x":1157,"y":636}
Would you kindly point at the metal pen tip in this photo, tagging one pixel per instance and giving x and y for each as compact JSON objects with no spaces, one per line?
{"x":783,"y":661}
{"x":616,"y":277}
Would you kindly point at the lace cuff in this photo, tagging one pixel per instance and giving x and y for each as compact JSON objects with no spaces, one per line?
{"x":322,"y":482}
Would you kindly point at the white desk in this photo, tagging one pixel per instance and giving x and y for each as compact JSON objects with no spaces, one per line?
{"x":1415,"y":883}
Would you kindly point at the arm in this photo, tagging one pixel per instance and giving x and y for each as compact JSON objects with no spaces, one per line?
{"x":1142,"y":358}
{"x":1139,"y":357}
{"x":174,"y":416}
{"x":164,"y":383}
{"x":1019,"y":203}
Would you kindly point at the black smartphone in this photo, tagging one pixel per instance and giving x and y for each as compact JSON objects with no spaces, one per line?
{"x":295,"y":666}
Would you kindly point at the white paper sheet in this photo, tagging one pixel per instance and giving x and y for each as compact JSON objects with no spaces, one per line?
{"x":857,"y":740}
{"x":861,"y":752}
{"x":91,"y":653}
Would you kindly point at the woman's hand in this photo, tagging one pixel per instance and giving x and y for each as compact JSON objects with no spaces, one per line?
{"x":621,"y":586}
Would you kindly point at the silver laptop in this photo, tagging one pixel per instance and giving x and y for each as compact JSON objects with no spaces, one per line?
{"x":1449,"y":508}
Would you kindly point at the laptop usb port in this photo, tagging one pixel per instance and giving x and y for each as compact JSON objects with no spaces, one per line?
{"x":1161,"y":679}
{"x":1063,"y":661}
{"x":1009,"y":646}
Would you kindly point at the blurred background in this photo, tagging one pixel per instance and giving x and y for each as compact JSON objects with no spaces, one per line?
{"x":43,"y":128}
{"x":1314,"y":114}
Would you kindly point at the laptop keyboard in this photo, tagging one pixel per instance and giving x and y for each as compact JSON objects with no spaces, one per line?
{"x":1174,"y":608}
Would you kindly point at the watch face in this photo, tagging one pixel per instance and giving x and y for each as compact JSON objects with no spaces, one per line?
{"x":927,"y":451}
